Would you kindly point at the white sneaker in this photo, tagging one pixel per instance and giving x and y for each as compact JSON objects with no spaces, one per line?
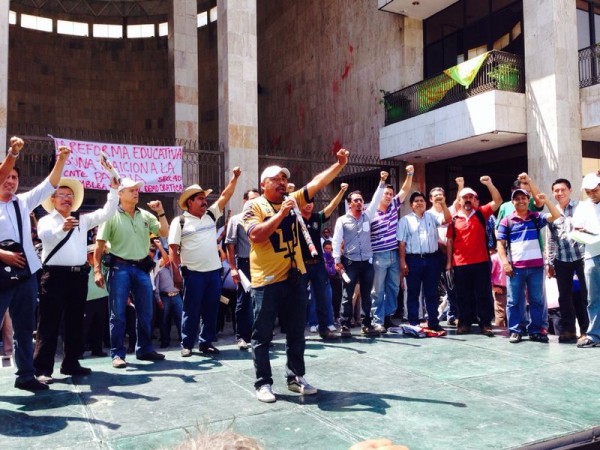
{"x":301,"y":386}
{"x":313,"y":329}
{"x":332,"y":328}
{"x":242,"y":344}
{"x":265,"y":394}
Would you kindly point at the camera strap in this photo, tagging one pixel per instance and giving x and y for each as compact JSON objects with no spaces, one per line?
{"x":58,"y":246}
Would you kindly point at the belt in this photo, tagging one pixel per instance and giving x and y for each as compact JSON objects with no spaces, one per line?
{"x":127,"y":261}
{"x":421,"y":255}
{"x":313,"y":260}
{"x":73,"y":269}
{"x":169,"y":294}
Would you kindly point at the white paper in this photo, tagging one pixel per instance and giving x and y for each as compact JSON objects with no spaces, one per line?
{"x":244,"y":280}
{"x":584,"y":238}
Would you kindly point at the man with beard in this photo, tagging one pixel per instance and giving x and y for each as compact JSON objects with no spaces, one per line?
{"x":277,"y":267}
{"x":21,"y":299}
{"x":193,"y":247}
{"x":469,"y":258}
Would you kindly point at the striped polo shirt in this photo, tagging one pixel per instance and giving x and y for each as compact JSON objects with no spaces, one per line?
{"x":383,"y":228}
{"x":525,"y":250}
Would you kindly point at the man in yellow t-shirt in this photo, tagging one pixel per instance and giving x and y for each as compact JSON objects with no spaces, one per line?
{"x":276,"y":266}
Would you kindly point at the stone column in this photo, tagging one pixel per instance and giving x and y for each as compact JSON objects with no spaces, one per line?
{"x":183,"y":58}
{"x":4,"y":8}
{"x":552,"y":90}
{"x":412,"y":51}
{"x":238,"y":92}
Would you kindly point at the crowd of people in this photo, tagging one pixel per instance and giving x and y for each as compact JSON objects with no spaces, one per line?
{"x":456,"y":265}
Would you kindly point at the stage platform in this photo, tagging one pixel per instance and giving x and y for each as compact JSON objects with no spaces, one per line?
{"x":455,"y":392}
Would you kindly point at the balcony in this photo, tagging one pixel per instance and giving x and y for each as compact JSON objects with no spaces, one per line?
{"x":500,"y":71}
{"x":476,"y":106}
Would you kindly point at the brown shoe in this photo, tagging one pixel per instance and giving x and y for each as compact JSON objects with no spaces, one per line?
{"x":487,"y":331}
{"x":463,"y":329}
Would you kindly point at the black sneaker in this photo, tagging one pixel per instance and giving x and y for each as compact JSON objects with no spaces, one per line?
{"x":151,"y":356}
{"x":208,"y":349}
{"x":539,"y":337}
{"x":77,"y":371}
{"x":345,"y":332}
{"x":31,"y":385}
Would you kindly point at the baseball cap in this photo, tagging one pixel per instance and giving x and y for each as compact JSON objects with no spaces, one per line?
{"x":467,"y":191}
{"x":590,"y":181}
{"x":273,"y":171}
{"x":129,"y":183}
{"x":519,"y":191}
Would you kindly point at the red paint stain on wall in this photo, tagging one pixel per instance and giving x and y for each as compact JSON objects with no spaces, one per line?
{"x":335,"y":87}
{"x":350,"y":48}
{"x":336,"y":146}
{"x":288,"y":89}
{"x":301,"y":122}
{"x":346,"y":71}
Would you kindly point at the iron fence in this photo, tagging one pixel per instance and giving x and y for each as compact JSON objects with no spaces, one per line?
{"x":501,"y":70}
{"x":589,"y":66}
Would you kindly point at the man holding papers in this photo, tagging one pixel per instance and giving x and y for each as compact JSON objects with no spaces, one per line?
{"x":587,"y":220}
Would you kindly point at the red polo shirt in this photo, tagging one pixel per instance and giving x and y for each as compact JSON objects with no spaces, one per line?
{"x":470,"y":238}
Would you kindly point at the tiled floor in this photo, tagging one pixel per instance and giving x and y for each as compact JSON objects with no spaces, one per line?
{"x":457,"y":392}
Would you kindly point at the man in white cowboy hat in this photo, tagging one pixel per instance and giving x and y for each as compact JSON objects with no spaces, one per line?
{"x":64,"y":282}
{"x":193,"y":247}
{"x":277,"y":266}
{"x":21,"y":298}
{"x":128,"y":233}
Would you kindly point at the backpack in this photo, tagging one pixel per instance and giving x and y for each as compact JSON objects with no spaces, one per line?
{"x":482,"y":221}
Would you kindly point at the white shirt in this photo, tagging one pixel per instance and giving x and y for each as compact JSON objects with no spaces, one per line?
{"x":9,"y":228}
{"x":587,"y":215}
{"x":198,"y":242}
{"x":74,"y":251}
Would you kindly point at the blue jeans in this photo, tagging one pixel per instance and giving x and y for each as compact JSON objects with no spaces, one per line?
{"x":320,"y":309}
{"x":201,"y":294}
{"x":422,"y":272}
{"x":21,"y":300}
{"x":123,"y":279}
{"x":386,"y":284}
{"x":289,"y":302}
{"x":243,"y":307}
{"x":592,"y":280}
{"x":361,"y":272}
{"x":172,"y":310}
{"x":533,"y":279}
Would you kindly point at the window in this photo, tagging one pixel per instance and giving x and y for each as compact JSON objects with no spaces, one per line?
{"x":72,"y":28}
{"x":202,"y":19}
{"x":140,"y":31}
{"x":107,"y":31}
{"x":12,"y":17}
{"x":36,"y":23}
{"x":163,"y":29}
{"x":213,"y":14}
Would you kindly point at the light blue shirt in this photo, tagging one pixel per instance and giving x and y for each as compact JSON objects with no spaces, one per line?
{"x":419,"y":234}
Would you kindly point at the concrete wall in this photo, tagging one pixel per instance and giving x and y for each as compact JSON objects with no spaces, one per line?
{"x":114,"y":85}
{"x":321,"y":65}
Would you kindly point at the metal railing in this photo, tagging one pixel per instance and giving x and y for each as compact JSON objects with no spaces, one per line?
{"x":589,"y":66}
{"x":501,"y":70}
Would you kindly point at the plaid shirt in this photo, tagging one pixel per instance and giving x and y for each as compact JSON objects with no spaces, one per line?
{"x":559,"y":245}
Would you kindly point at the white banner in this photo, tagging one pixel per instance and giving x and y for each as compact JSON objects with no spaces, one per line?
{"x":158,"y":167}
